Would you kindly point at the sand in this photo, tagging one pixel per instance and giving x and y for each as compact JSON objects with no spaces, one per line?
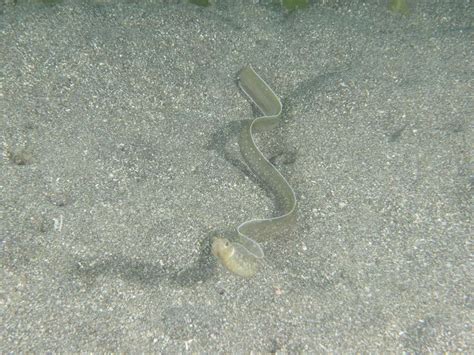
{"x":118,"y":124}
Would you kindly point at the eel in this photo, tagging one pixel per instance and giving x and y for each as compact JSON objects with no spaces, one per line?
{"x":243,"y":254}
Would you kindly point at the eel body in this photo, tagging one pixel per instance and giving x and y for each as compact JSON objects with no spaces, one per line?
{"x":243,"y":254}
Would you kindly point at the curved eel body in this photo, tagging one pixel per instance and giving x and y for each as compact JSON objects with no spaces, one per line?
{"x":243,"y":254}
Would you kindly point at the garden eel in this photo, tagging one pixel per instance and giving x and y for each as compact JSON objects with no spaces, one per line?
{"x":243,"y":254}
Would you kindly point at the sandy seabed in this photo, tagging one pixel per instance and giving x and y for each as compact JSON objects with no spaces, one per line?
{"x":117,"y":125}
